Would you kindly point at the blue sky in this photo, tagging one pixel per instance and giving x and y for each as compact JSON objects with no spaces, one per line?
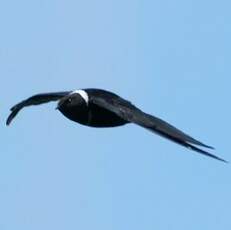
{"x":170,"y":58}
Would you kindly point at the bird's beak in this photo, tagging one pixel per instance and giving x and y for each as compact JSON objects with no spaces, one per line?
{"x":57,"y":107}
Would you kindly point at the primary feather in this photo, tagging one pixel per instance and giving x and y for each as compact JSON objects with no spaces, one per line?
{"x":35,"y":100}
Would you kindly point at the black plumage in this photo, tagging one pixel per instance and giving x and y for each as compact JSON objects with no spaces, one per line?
{"x":101,"y":108}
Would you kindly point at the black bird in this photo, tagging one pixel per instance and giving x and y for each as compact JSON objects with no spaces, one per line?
{"x":101,"y":108}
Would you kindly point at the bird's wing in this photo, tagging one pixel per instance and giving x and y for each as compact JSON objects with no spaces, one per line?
{"x":129,"y":112}
{"x":35,"y":100}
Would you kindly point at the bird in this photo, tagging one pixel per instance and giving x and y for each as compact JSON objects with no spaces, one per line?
{"x":101,"y":109}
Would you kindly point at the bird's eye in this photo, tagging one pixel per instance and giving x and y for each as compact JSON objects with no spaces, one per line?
{"x":69,"y":100}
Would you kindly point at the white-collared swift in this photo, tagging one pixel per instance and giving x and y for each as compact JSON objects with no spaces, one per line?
{"x":100,"y":108}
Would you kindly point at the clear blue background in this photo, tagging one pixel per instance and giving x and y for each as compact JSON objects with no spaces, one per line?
{"x":170,"y":58}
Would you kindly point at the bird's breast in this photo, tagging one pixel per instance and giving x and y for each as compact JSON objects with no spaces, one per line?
{"x":100,"y":117}
{"x":93,"y":116}
{"x":78,"y":114}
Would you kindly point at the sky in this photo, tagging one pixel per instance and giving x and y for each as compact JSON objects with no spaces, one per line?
{"x":171,"y":59}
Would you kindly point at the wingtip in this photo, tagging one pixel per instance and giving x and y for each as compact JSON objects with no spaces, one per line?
{"x":209,"y":147}
{"x":216,"y":157}
{"x":8,"y":121}
{"x":202,"y":145}
{"x":227,"y":162}
{"x":11,"y":116}
{"x":208,"y":154}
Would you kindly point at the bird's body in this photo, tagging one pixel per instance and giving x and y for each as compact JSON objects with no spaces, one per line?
{"x":101,"y":108}
{"x":80,"y":109}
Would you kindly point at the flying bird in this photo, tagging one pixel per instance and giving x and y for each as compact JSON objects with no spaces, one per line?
{"x":101,"y":108}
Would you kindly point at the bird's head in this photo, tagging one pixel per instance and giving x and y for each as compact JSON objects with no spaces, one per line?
{"x":73,"y":101}
{"x":75,"y":106}
{"x":70,"y":102}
